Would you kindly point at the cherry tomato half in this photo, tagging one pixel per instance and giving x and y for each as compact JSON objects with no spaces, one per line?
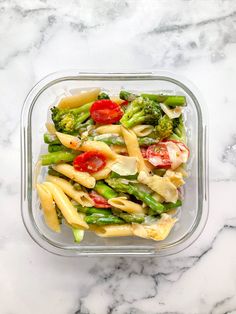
{"x":158,"y":155}
{"x":99,"y":201}
{"x":105,"y":111}
{"x":90,"y":162}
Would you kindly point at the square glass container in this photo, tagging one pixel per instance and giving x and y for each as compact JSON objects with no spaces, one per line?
{"x":193,"y":214}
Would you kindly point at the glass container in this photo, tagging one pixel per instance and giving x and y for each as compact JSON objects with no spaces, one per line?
{"x":193,"y":214}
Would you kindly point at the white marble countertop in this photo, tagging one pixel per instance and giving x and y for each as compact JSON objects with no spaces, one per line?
{"x":193,"y":38}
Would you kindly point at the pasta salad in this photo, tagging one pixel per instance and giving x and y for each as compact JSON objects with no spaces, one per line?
{"x":116,"y":164}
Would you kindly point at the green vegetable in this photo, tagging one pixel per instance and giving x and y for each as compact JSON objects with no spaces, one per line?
{"x":83,"y":127}
{"x":70,"y":120}
{"x":51,"y":139}
{"x":93,"y":210}
{"x":164,"y":128}
{"x":141,"y":111}
{"x":78,"y":234}
{"x":57,"y":157}
{"x":107,"y":220}
{"x":77,"y":186}
{"x":103,"y":95}
{"x":127,"y":95}
{"x":114,"y":175}
{"x":179,"y":131}
{"x":134,"y":190}
{"x":56,"y":148}
{"x":129,"y":218}
{"x":159,"y":172}
{"x":167,"y":207}
{"x":118,"y":140}
{"x":169,"y":100}
{"x":104,"y":190}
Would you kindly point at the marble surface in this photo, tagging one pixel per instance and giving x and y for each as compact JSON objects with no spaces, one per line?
{"x":193,"y":38}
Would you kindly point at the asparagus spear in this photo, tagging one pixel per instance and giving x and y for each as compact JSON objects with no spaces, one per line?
{"x":127,"y":95}
{"x":169,"y":100}
{"x":57,"y":157}
{"x":118,"y":140}
{"x":56,"y":148}
{"x":107,"y":220}
{"x":167,"y":206}
{"x":93,"y":210}
{"x":128,"y":217}
{"x":104,"y":190}
{"x":51,"y":139}
{"x":121,"y":187}
{"x":78,"y":234}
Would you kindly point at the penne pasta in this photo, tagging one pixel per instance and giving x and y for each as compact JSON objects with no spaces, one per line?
{"x":119,"y":149}
{"x":127,"y":206}
{"x":73,"y":142}
{"x":69,"y":141}
{"x":68,"y":210}
{"x":83,"y":178}
{"x":114,"y":231}
{"x":109,"y":128}
{"x":143,"y":130}
{"x":80,"y":99}
{"x":49,"y":209}
{"x":80,"y":197}
{"x":99,"y":147}
{"x":133,"y":148}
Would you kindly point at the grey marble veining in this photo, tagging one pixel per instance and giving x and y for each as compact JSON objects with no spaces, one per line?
{"x":196,"y":39}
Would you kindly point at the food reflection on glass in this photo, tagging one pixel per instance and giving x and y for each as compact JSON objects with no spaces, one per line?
{"x":116,"y":164}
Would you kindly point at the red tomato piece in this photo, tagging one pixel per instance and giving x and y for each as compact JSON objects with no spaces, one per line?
{"x":124,"y":103}
{"x":105,"y":111}
{"x":90,"y":162}
{"x":99,"y":201}
{"x":158,"y":155}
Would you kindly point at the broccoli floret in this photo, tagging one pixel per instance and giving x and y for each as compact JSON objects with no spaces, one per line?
{"x":103,"y":95}
{"x":141,"y":111}
{"x":179,"y":132}
{"x":164,"y":128}
{"x":70,"y":120}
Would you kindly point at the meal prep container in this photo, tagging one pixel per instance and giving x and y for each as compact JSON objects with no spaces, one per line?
{"x":193,"y":214}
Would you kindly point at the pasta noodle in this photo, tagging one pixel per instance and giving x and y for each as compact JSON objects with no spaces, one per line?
{"x":133,"y":148}
{"x":119,"y":149}
{"x":143,"y":130}
{"x":83,"y":178}
{"x":78,"y":100}
{"x":125,"y":205}
{"x":109,"y":128}
{"x":114,"y":231}
{"x":68,"y":210}
{"x":49,"y":209}
{"x":73,"y":142}
{"x":69,"y":141}
{"x":79,"y":196}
